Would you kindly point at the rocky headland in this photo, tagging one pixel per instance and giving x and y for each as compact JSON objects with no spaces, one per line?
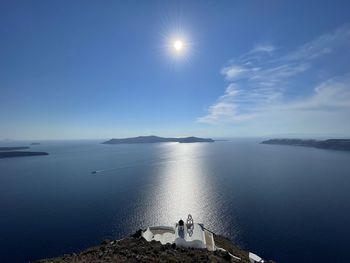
{"x":330,"y":144}
{"x":136,"y":249}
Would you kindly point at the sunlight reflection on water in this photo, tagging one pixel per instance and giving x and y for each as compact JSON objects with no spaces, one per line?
{"x":182,"y":186}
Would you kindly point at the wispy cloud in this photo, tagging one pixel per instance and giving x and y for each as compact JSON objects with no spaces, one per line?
{"x":263,"y":48}
{"x":261,"y":80}
{"x":320,"y":46}
{"x":233,"y":72}
{"x":226,"y":110}
{"x":333,"y":94}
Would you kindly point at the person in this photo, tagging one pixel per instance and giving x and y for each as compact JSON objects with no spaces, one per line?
{"x":189,"y":220}
{"x":181,"y":228}
{"x":189,"y":225}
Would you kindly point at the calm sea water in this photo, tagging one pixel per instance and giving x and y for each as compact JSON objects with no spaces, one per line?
{"x":291,"y":204}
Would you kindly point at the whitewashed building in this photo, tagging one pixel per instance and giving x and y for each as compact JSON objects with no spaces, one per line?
{"x":188,"y":234}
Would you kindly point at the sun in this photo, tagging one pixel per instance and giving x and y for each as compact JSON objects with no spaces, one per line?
{"x":177,"y":42}
{"x":178,"y":45}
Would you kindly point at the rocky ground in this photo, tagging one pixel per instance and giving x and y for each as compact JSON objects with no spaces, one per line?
{"x":137,"y":249}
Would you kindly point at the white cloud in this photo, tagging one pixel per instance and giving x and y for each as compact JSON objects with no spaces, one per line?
{"x":226,"y":109}
{"x":332,"y":94}
{"x":231,"y":91}
{"x":232,"y":72}
{"x":263,"y":48}
{"x":259,"y":80}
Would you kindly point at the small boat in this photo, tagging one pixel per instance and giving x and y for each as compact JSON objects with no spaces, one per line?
{"x":94,"y":172}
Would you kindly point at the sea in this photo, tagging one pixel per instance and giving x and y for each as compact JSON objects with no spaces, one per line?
{"x":286,"y":203}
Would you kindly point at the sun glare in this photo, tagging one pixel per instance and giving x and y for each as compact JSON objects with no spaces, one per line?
{"x":178,"y":45}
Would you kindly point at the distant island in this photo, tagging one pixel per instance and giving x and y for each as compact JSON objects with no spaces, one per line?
{"x":10,"y":154}
{"x":15,"y":151}
{"x":14,"y":148}
{"x":156,"y":139}
{"x":330,"y":144}
{"x":35,"y":143}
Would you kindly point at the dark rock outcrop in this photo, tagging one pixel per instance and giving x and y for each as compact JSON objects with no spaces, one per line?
{"x":136,"y":249}
{"x":156,"y":139}
{"x":330,"y":144}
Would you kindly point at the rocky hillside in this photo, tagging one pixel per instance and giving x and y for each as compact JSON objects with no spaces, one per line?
{"x":137,"y":249}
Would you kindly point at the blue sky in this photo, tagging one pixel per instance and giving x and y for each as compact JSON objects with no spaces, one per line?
{"x":101,"y":69}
